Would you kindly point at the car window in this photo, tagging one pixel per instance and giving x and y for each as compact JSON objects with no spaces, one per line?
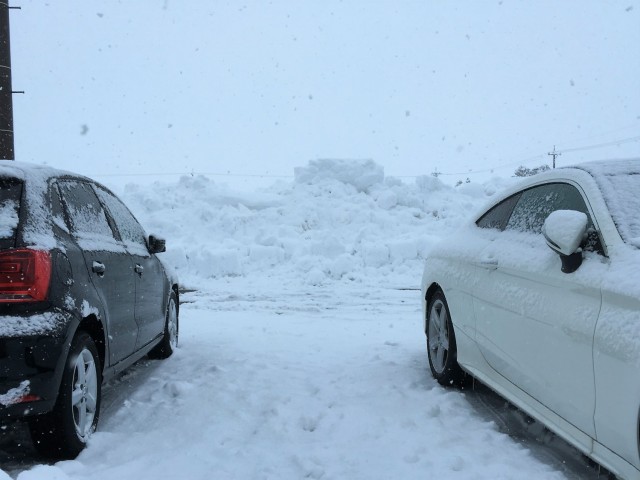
{"x":620,"y":191}
{"x":535,"y":205}
{"x":10,"y":193}
{"x":86,"y":217}
{"x":526,"y":211}
{"x":131,"y":233}
{"x":498,"y":216}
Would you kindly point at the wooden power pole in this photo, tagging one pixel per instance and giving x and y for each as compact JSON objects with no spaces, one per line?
{"x":554,"y":154}
{"x":6,"y":101}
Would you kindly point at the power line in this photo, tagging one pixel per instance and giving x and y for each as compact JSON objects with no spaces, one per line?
{"x":495,"y":167}
{"x":186,"y":174}
{"x":600,"y":145}
{"x":634,"y":126}
{"x":555,"y":153}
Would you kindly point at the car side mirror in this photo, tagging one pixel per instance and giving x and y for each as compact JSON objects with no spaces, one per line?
{"x":157,"y":244}
{"x":564,"y":231}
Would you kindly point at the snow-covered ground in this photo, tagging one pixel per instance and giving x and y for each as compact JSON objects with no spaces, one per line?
{"x":302,"y":353}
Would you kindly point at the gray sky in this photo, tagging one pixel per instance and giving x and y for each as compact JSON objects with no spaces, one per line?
{"x":123,"y":90}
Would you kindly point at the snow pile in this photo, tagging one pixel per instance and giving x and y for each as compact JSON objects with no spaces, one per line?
{"x":360,"y":174}
{"x":298,"y":358}
{"x":339,"y":221}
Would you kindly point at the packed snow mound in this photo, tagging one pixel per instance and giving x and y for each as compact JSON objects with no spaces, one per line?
{"x":338,"y":221}
{"x":362,"y":174}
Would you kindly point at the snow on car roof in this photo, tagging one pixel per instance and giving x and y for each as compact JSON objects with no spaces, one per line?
{"x":38,"y":229}
{"x":610,"y":167}
{"x":25,"y":170}
{"x":619,"y":181}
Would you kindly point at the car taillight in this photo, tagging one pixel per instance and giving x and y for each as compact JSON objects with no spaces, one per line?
{"x":24,"y":275}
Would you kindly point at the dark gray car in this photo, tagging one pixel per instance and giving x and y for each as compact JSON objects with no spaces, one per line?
{"x":83,"y":295}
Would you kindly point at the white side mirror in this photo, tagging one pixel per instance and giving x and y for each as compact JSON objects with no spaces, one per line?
{"x":565,"y":230}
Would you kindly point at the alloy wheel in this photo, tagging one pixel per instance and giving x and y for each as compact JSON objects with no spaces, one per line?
{"x":438,"y":336}
{"x":84,"y":395}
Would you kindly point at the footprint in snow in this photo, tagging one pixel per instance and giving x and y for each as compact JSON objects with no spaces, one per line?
{"x":176,"y":389}
{"x":315,"y":473}
{"x":309,"y":424}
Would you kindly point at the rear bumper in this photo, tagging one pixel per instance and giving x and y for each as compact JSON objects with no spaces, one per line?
{"x":33,"y":351}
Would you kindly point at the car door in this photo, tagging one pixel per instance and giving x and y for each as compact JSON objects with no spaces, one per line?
{"x":150,"y":279}
{"x":108,"y":263}
{"x":535,"y":324}
{"x":617,"y":359}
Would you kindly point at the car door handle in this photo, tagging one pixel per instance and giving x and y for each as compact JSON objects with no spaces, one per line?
{"x":98,"y":267}
{"x":489,"y":263}
{"x":139,"y":269}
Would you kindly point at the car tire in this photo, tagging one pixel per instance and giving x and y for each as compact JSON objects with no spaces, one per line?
{"x":441,"y":342}
{"x":169,"y":341}
{"x":63,"y":433}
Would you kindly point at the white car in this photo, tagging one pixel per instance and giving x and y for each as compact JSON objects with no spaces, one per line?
{"x":539,"y":298}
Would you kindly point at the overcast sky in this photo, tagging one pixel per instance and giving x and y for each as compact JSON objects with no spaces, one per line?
{"x":257,"y":88}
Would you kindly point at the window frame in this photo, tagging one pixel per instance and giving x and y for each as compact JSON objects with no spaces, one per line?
{"x":113,"y":218}
{"x":115,"y":235}
{"x":599,"y":244}
{"x":505,"y":219}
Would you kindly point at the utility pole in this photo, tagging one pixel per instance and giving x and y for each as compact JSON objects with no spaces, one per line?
{"x":554,"y":154}
{"x":6,"y":100}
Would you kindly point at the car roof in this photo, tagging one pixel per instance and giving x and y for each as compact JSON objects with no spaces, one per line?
{"x":27,"y":171}
{"x":586,"y":171}
{"x":610,"y":167}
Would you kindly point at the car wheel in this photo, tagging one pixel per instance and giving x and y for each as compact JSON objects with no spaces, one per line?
{"x":169,"y":341}
{"x":64,"y":432}
{"x":441,"y":342}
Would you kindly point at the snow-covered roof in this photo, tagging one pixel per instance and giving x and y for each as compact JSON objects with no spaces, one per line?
{"x":610,"y":167}
{"x":25,"y":170}
{"x":619,"y":182}
{"x":38,"y":229}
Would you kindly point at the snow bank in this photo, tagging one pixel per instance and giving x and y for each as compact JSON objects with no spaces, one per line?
{"x":338,"y":221}
{"x":277,"y":380}
{"x":362,"y":174}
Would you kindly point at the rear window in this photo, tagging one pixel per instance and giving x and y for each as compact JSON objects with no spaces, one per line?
{"x":619,"y":182}
{"x":10,"y":193}
{"x":621,"y":195}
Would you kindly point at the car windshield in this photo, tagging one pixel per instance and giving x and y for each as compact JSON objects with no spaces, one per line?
{"x":620,"y":185}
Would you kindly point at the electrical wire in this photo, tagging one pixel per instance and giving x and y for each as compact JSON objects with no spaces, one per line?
{"x":634,"y":126}
{"x":468,"y":172}
{"x":542,"y":156}
{"x":600,"y":145}
{"x":484,"y":170}
{"x":192,"y":173}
